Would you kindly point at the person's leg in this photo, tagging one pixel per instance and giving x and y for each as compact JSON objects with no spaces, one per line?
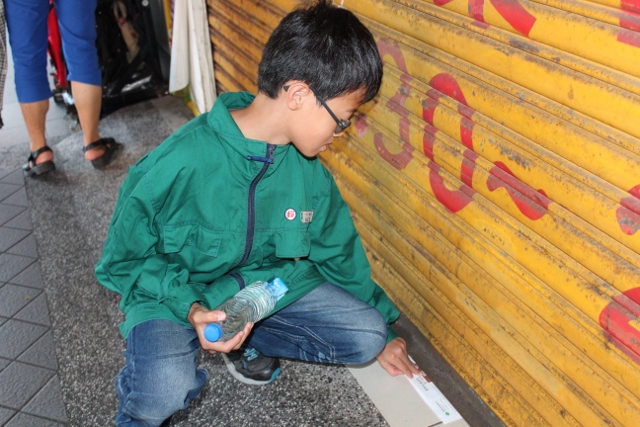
{"x":76,"y":19}
{"x":160,"y":376}
{"x":35,"y":116}
{"x":328,"y":325}
{"x":27,"y":29}
{"x":88,"y":101}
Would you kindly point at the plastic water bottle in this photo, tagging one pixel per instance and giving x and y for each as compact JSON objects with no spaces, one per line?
{"x":251,"y":304}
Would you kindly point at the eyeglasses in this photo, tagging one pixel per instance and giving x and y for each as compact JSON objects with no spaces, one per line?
{"x":342,"y":124}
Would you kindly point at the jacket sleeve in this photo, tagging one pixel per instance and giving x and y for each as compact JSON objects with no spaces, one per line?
{"x":131,"y":264}
{"x":337,"y":251}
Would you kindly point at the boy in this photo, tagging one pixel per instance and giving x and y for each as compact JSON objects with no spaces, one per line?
{"x":235,"y":196}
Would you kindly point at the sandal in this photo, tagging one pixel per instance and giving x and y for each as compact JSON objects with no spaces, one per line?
{"x":110,"y":148}
{"x":31,"y":168}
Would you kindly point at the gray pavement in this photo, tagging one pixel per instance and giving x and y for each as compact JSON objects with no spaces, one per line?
{"x":30,"y":393}
{"x":30,"y":390}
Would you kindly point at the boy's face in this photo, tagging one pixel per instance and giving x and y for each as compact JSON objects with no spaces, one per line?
{"x":316,"y":129}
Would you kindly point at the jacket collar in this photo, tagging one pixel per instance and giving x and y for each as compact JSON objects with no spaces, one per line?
{"x":220,"y":120}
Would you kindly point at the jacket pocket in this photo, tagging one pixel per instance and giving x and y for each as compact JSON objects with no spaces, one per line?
{"x":293,"y":244}
{"x":176,"y":237}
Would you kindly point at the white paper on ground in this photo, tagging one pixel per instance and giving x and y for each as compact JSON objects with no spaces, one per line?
{"x":399,"y":402}
{"x":434,"y":398}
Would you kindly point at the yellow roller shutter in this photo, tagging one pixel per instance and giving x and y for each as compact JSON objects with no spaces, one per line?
{"x":496,"y":183}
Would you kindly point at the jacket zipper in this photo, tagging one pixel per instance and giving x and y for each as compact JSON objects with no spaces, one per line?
{"x":251,"y":219}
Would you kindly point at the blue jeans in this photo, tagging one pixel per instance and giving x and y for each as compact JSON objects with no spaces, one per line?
{"x":161,"y":375}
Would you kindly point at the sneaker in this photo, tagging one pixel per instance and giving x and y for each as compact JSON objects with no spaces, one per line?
{"x":251,"y":367}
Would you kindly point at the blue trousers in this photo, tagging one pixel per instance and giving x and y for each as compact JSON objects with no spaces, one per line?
{"x":161,"y":375}
{"x":27,"y":28}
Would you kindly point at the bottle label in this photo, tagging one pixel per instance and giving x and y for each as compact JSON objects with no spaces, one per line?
{"x":278,"y":288}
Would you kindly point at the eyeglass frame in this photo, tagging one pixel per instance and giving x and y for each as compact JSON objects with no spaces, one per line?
{"x":342,"y":124}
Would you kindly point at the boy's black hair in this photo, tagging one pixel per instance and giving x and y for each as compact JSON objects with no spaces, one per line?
{"x":326,"y":47}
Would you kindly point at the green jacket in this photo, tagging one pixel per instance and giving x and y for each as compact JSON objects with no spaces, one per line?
{"x":209,"y":211}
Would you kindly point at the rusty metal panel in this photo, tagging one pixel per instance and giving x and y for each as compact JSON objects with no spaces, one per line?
{"x":238,"y":31}
{"x":495,"y":180}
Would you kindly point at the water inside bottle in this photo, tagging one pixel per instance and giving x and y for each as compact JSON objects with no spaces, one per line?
{"x":251,"y":304}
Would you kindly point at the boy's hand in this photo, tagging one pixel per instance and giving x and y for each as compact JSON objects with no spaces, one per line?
{"x":199,"y":317}
{"x":395,"y":359}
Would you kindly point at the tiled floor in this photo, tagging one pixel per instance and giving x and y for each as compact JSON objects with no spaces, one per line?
{"x":30,"y":393}
{"x":29,"y":385}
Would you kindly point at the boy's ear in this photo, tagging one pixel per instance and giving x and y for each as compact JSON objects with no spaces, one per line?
{"x":296,"y":94}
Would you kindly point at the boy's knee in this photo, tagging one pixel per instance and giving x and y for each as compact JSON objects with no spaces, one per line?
{"x":370,"y":341}
{"x":369,"y":349}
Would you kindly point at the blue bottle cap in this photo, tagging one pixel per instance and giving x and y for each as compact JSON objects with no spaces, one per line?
{"x":213,"y":332}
